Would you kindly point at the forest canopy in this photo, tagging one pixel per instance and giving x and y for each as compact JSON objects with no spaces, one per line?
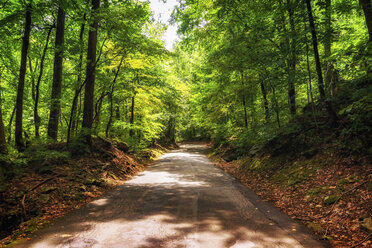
{"x":242,"y":72}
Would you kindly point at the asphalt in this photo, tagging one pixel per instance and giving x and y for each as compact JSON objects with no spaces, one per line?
{"x":182,"y":200}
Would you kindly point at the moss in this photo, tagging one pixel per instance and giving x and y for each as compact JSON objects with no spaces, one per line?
{"x":343,"y":181}
{"x":328,"y":200}
{"x":315,"y":191}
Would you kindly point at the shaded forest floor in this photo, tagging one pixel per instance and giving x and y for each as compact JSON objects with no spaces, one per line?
{"x":328,"y":192}
{"x":40,"y":194}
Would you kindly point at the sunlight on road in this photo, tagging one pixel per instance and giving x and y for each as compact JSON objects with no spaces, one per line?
{"x":150,"y":177}
{"x":182,"y":201}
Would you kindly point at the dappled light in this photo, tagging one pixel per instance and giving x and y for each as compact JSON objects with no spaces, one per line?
{"x":172,"y":123}
{"x":180,"y":201}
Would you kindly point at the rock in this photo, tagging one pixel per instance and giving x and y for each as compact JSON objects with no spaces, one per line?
{"x":367,"y":225}
{"x":328,"y":200}
{"x":316,"y":227}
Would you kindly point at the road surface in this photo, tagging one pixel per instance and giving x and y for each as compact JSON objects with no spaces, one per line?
{"x":182,"y":200}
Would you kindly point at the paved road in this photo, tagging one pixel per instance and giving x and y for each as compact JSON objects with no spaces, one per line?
{"x":183,"y":200}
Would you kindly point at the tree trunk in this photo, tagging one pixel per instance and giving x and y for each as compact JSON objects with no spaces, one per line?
{"x":55,"y":107}
{"x":292,"y":61}
{"x":245,"y":113}
{"x":266,"y":103}
{"x":79,"y":87}
{"x":3,"y":148}
{"x":244,"y":101}
{"x":316,"y":51}
{"x":21,"y":83}
{"x":32,"y":72}
{"x":367,"y":9}
{"x":98,"y":107}
{"x":131,"y":121}
{"x":308,"y":68}
{"x":111,"y":98}
{"x":330,"y":110}
{"x":37,"y":119}
{"x":90,"y":73}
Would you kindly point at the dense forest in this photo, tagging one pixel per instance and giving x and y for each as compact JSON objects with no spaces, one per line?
{"x":241,"y":72}
{"x":246,"y":75}
{"x":256,"y":66}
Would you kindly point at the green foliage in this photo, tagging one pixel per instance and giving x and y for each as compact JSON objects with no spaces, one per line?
{"x":227,"y":79}
{"x":79,"y":145}
{"x":328,"y":200}
{"x":359,"y":114}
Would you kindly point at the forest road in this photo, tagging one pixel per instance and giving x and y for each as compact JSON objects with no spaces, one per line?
{"x":182,"y":200}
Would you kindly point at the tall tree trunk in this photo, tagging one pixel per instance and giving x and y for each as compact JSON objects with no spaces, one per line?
{"x":244,"y":101}
{"x":131,"y":121}
{"x":266,"y":103}
{"x":330,"y":110}
{"x":37,"y":119}
{"x":316,"y":51}
{"x":21,"y":83}
{"x":245,"y":112}
{"x":308,"y":67}
{"x":72,"y":122}
{"x":111,"y":98}
{"x":292,"y":60}
{"x":3,"y":148}
{"x":32,"y":72}
{"x":90,"y":72}
{"x":98,"y":107}
{"x":55,"y":107}
{"x":367,"y":9}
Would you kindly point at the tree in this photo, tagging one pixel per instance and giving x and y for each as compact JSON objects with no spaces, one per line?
{"x":90,"y":71}
{"x":37,"y":119}
{"x":318,"y":67}
{"x":292,"y":59}
{"x":55,"y":107}
{"x":3,"y":147}
{"x":367,"y":9}
{"x":21,"y":82}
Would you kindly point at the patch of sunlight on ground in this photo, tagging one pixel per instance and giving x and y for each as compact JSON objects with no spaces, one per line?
{"x":150,"y":177}
{"x":100,"y":202}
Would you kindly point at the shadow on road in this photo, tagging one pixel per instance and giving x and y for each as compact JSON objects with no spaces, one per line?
{"x":180,"y":201}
